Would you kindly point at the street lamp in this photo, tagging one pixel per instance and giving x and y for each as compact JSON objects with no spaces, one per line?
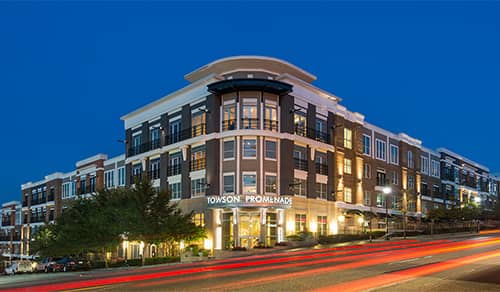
{"x":386,"y":191}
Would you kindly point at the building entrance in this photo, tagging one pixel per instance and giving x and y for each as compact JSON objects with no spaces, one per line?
{"x":249,"y":229}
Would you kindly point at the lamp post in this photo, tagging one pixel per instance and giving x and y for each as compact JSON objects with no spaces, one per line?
{"x":387,"y":191}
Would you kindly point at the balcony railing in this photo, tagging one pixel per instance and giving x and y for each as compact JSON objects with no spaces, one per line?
{"x":38,"y":201}
{"x":271,"y":125}
{"x":249,"y":124}
{"x":154,"y":174}
{"x":198,"y":164}
{"x":174,"y":169}
{"x":381,"y":180}
{"x":321,"y":136}
{"x":300,"y":130}
{"x":322,"y":168}
{"x":228,"y":125}
{"x":38,"y":218}
{"x":300,"y":164}
{"x":198,"y":130}
{"x":50,"y":198}
{"x":7,"y":223}
{"x":178,"y":136}
{"x":155,"y":144}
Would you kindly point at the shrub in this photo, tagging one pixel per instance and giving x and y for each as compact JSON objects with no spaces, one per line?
{"x":294,"y":238}
{"x":161,"y":260}
{"x":239,"y":248}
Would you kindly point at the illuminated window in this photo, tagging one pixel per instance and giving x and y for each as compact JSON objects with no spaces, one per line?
{"x":348,"y":195}
{"x":271,"y":183}
{"x":199,"y":219}
{"x":300,"y":222}
{"x":322,"y":224}
{"x":347,"y":166}
{"x":347,"y":138}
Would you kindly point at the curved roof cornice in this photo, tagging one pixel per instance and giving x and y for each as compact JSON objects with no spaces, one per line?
{"x":248,"y":63}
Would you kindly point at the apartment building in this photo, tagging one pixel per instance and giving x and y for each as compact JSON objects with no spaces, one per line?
{"x":10,"y":229}
{"x":258,"y":152}
{"x":44,"y":200}
{"x":465,"y":181}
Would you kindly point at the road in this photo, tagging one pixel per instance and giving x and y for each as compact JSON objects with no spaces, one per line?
{"x":463,"y":264}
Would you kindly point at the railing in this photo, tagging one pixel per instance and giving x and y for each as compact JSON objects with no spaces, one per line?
{"x":154,"y":174}
{"x":154,"y":144}
{"x":7,"y":223}
{"x":50,"y":198}
{"x":381,"y":181}
{"x":322,"y":168}
{"x":174,"y":169}
{"x":321,"y":136}
{"x":300,"y":164}
{"x":38,"y":201}
{"x":300,"y":130}
{"x":15,"y":237}
{"x":178,"y":136}
{"x":249,"y":124}
{"x":39,"y":218}
{"x":198,"y":164}
{"x":228,"y":125}
{"x":271,"y":125}
{"x":198,"y":130}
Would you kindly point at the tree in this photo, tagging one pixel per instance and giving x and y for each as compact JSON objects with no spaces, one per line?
{"x":154,"y":219}
{"x":44,"y":241}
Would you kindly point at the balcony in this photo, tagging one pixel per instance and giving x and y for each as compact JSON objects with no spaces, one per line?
{"x":249,"y":124}
{"x":38,"y":201}
{"x":138,"y":149}
{"x":154,"y":144}
{"x":51,"y":198}
{"x":271,"y":125}
{"x":229,"y":125}
{"x":198,"y":164}
{"x":381,"y":180}
{"x":174,"y":169}
{"x":7,"y":222}
{"x":321,"y":136}
{"x":198,"y":130}
{"x":175,"y":137}
{"x":154,"y":174}
{"x":38,"y":218}
{"x":322,"y":168}
{"x":300,"y":164}
{"x":300,"y":130}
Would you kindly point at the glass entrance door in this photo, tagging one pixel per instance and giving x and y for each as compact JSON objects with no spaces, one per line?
{"x":249,"y":229}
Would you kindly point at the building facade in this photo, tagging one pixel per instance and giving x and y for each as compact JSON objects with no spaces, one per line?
{"x":258,"y":152}
{"x":44,"y":200}
{"x":10,"y":229}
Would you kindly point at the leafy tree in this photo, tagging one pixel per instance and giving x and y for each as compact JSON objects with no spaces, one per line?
{"x":44,"y":241}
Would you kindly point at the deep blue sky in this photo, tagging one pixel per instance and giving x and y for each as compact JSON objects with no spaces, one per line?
{"x":68,"y":71}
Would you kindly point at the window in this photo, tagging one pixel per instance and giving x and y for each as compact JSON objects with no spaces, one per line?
{"x":347,"y":195}
{"x":381,"y":179}
{"x":367,"y":145}
{"x":321,"y":191}
{"x":174,"y":164}
{"x":249,"y":183}
{"x":229,"y":183}
{"x":109,"y":179}
{"x":175,"y":190}
{"x":136,"y":143}
{"x":270,"y":117}
{"x":300,"y":121}
{"x":424,"y":164}
{"x":270,"y":149}
{"x":229,"y":113}
{"x":347,"y":166}
{"x":198,"y":187}
{"x":198,"y":123}
{"x":322,"y":225}
{"x":198,"y":158}
{"x":381,"y":200}
{"x":228,"y":149}
{"x":299,"y":187}
{"x":367,"y":171}
{"x":367,"y":198}
{"x":249,"y":114}
{"x":394,"y":178}
{"x":92,"y":184}
{"x":411,"y":182}
{"x":83,"y":186}
{"x":121,"y":176}
{"x":174,"y":134}
{"x":321,"y":133}
{"x":380,"y":149}
{"x":394,"y":157}
{"x":435,"y":168}
{"x":410,"y":159}
{"x":347,"y":138}
{"x":249,"y":148}
{"x":271,"y":183}
{"x":199,"y":219}
{"x":300,"y":222}
{"x":154,"y":137}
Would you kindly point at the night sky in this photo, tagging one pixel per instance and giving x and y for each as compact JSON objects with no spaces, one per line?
{"x":69,"y":71}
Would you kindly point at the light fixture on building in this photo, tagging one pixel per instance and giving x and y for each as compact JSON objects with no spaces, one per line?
{"x":341,"y":218}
